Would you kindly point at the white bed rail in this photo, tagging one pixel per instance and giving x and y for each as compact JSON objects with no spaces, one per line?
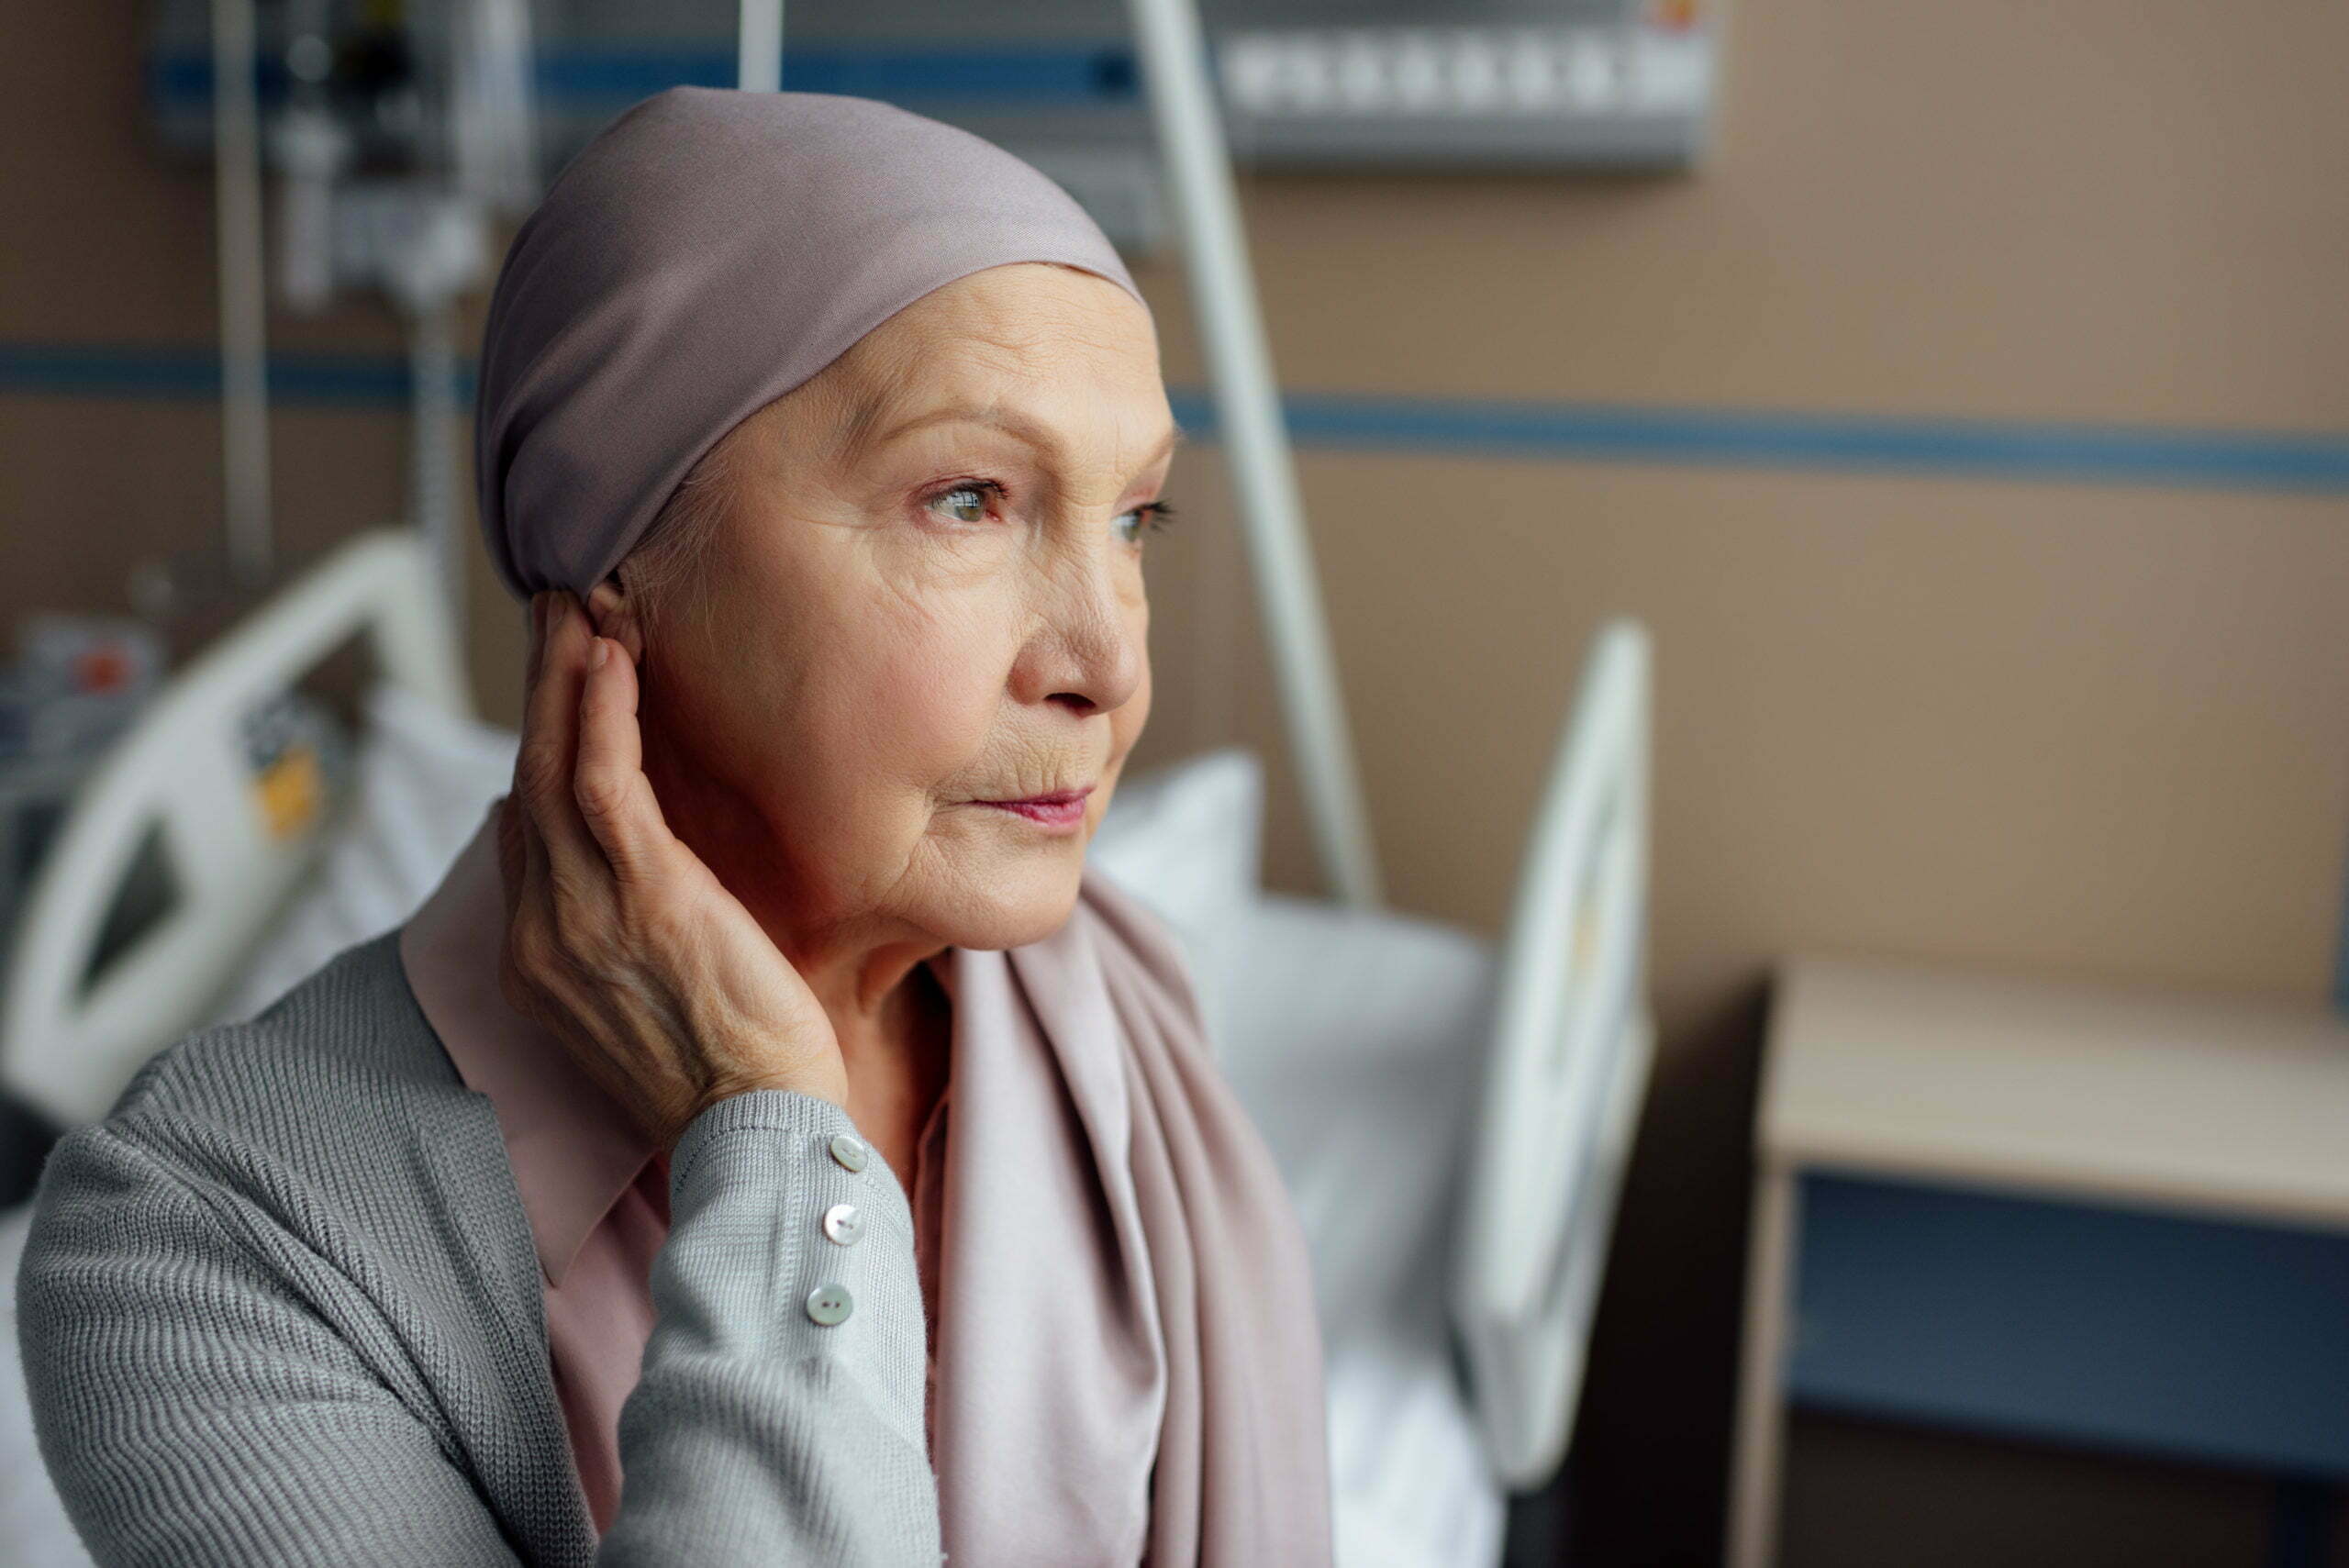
{"x":69,"y":1051}
{"x":1572,"y":1044}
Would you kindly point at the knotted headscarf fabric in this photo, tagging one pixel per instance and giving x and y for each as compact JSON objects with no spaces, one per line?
{"x":708,"y":251}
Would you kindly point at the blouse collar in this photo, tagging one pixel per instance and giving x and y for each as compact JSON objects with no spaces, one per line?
{"x":573,"y":1150}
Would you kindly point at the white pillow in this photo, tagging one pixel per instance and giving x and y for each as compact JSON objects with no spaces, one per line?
{"x":1186,"y":840}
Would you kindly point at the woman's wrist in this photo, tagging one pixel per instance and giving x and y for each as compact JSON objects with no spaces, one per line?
{"x":766,"y":1108}
{"x":734,"y":1089}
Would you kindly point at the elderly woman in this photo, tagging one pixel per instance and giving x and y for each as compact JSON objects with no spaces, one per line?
{"x":768,"y":1108}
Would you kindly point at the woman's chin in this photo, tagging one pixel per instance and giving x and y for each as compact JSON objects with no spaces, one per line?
{"x":1018,"y":899}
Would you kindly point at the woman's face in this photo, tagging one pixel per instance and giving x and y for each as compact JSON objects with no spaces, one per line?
{"x":926,"y":594}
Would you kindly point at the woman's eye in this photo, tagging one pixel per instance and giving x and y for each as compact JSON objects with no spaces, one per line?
{"x":967,"y":503}
{"x":1149,"y":515}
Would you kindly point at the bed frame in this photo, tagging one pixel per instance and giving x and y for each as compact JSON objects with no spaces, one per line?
{"x":1572,"y":1041}
{"x":70,"y":1039}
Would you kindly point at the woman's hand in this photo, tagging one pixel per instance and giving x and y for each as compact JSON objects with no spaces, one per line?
{"x":620,"y":940}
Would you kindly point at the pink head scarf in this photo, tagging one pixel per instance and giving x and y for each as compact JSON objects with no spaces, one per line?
{"x":708,"y":252}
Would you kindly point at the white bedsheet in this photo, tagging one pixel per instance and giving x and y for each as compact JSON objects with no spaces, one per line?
{"x":1357,"y":1043}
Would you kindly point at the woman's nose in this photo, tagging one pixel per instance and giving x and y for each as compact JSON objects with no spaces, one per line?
{"x":1092,"y":648}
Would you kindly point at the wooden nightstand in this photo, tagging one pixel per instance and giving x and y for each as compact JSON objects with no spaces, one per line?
{"x":2097,"y":1215}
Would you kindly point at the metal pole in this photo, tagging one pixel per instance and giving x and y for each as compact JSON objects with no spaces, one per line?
{"x":432,"y":467}
{"x":1248,"y":412}
{"x":244,"y":371}
{"x":758,"y":66}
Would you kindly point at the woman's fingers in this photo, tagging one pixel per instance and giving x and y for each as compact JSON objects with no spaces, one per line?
{"x":517,"y":812}
{"x":544,"y":767}
{"x":512,"y":863}
{"x":614,"y":797}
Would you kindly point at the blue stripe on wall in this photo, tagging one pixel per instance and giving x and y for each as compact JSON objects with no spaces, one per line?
{"x":308,"y":379}
{"x":1733,"y":438}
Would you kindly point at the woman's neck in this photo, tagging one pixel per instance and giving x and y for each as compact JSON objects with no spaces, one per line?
{"x":860,"y":986}
{"x":898,"y":1059}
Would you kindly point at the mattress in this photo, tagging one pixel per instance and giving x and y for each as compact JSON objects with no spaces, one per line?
{"x":1357,"y":1042}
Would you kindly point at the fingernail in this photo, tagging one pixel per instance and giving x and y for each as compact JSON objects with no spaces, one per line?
{"x":603,"y":651}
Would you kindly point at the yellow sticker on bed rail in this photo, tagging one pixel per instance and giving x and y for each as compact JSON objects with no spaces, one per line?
{"x":292,"y":790}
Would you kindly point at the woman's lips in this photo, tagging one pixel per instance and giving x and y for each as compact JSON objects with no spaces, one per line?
{"x":1062,"y":808}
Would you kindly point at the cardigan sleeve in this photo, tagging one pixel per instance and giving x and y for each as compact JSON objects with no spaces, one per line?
{"x":195,"y":1406}
{"x":779,"y":1416}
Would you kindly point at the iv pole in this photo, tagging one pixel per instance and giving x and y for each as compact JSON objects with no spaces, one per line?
{"x":244,"y":372}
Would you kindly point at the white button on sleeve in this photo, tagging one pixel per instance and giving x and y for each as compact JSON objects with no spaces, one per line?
{"x":843,"y":1223}
{"x":850,"y":1151}
{"x":829,"y":1303}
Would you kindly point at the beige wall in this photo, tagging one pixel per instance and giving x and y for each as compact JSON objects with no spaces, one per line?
{"x":2102,"y":730}
{"x":2094,"y":729}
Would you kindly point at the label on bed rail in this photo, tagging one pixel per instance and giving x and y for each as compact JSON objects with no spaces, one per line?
{"x":296,"y":749}
{"x":292,"y":791}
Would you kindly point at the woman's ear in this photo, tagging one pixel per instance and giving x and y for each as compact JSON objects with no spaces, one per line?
{"x":614,"y":612}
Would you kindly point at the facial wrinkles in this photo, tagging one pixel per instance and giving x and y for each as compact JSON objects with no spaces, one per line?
{"x":891,"y":643}
{"x":1080,"y":578}
{"x":898,"y":636}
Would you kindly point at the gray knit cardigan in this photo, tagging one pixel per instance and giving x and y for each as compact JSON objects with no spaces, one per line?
{"x":283,"y":1307}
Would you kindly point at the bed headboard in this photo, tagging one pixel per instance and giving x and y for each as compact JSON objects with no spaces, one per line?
{"x":70,"y":1039}
{"x":1568,"y":1072}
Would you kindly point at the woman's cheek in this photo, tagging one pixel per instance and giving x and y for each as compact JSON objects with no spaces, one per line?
{"x":935,"y":701}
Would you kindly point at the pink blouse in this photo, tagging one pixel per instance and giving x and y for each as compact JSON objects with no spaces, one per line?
{"x":595,"y":1188}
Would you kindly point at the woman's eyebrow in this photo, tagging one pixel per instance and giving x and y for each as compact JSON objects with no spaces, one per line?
{"x":1018,"y":426}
